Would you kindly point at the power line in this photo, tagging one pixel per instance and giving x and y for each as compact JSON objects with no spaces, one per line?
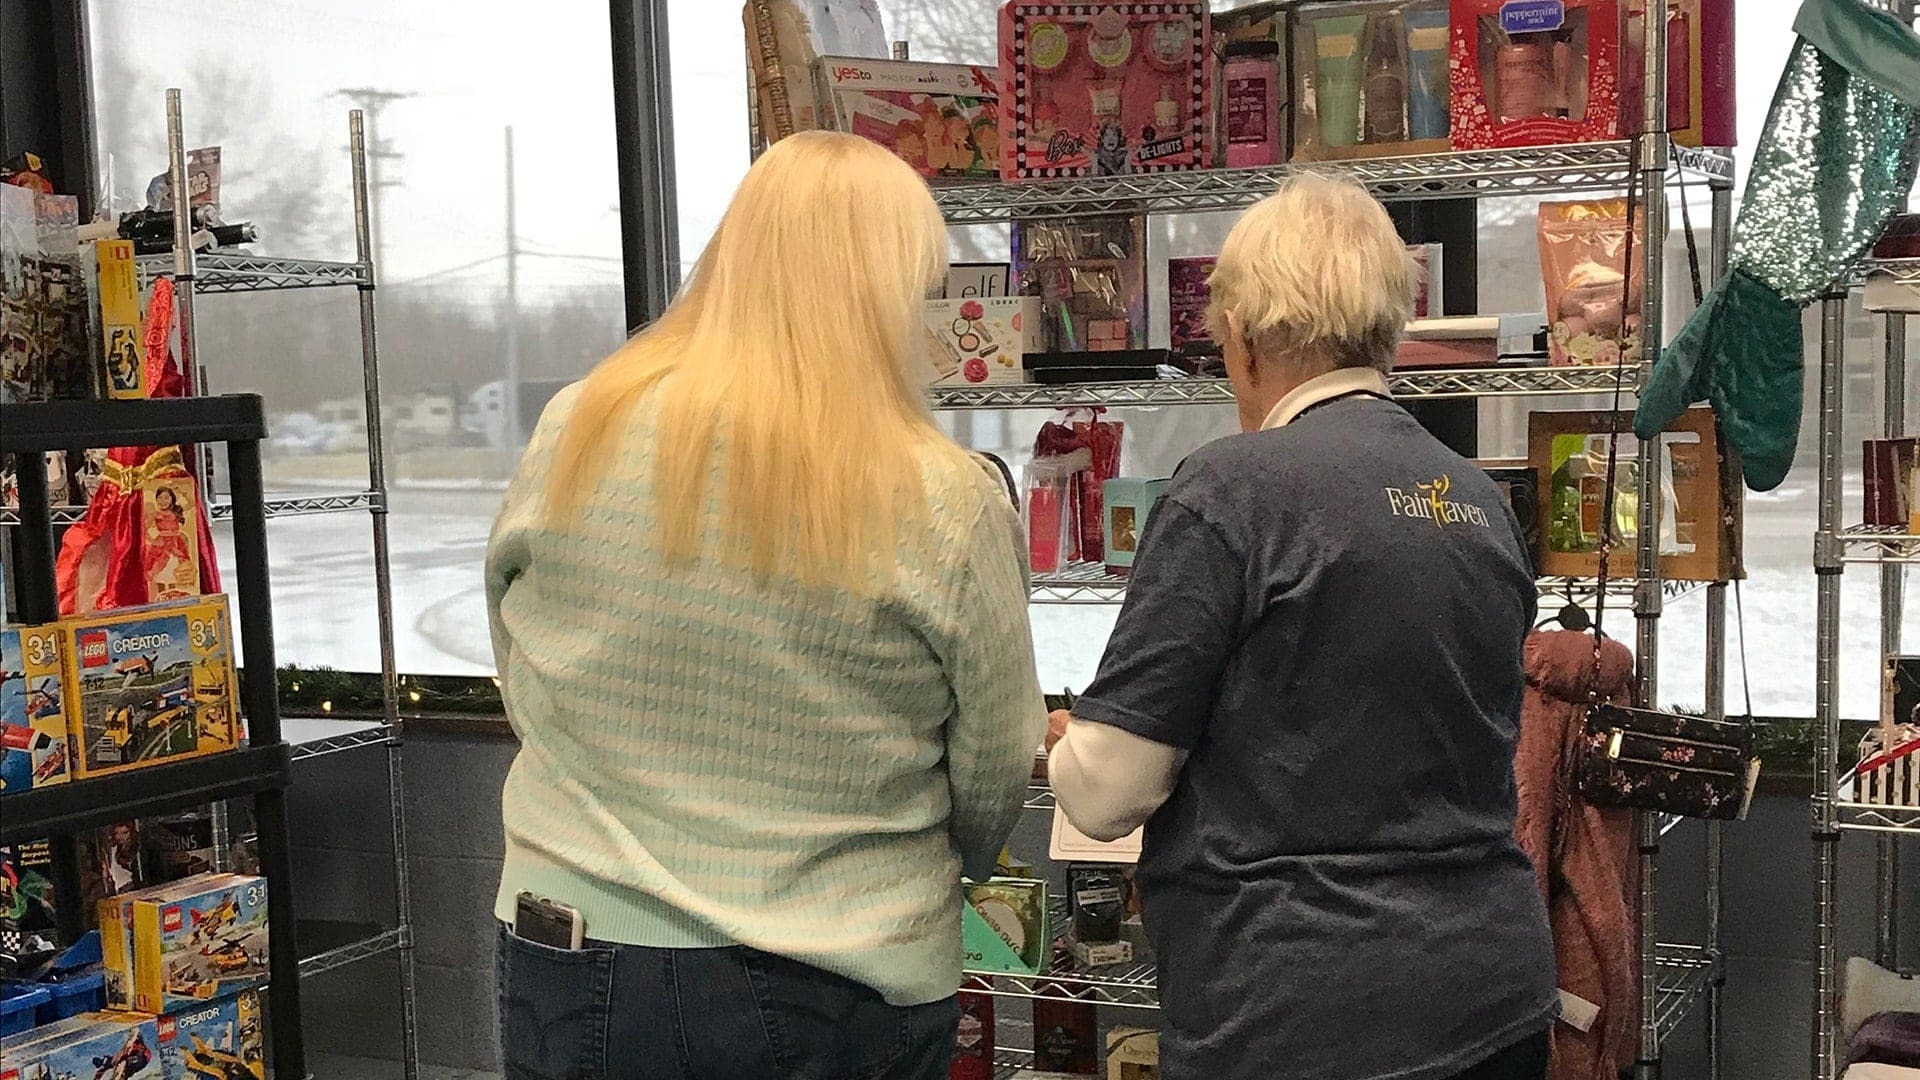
{"x":370,"y":100}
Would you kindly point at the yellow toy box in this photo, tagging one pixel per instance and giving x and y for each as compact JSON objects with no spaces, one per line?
{"x":33,"y":709}
{"x":150,"y":684}
{"x":194,"y":945}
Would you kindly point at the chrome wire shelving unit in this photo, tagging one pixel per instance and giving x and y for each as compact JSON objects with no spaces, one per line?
{"x":1836,"y":547}
{"x":1474,"y":174}
{"x":1683,"y":977}
{"x":196,"y":273}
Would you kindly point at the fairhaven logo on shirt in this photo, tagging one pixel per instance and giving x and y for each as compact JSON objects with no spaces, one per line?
{"x":1429,"y":500}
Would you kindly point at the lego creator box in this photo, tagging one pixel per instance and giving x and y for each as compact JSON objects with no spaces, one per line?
{"x":150,"y":685}
{"x":97,"y":1046}
{"x":33,"y":709}
{"x":116,"y":931}
{"x":216,"y":1041}
{"x":191,"y":949}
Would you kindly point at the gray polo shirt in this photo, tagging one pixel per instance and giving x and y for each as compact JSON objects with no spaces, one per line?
{"x":1328,"y":617}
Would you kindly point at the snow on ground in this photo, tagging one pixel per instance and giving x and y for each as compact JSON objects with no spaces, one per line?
{"x":323,"y":597}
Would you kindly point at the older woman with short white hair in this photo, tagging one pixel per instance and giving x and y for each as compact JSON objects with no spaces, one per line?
{"x":1311,"y":700}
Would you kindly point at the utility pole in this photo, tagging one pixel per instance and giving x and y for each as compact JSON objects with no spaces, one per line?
{"x":512,"y":316}
{"x":370,"y":100}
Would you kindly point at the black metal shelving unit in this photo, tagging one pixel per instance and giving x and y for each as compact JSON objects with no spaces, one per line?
{"x":261,"y":770}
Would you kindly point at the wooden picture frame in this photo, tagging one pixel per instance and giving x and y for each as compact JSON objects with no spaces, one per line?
{"x":1702,"y":522}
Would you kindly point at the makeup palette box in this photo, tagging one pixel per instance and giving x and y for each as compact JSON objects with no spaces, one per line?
{"x":980,"y":341}
{"x":1370,"y":80}
{"x":942,"y":119}
{"x":1535,"y":72}
{"x":1090,"y":274}
{"x":1105,"y":88}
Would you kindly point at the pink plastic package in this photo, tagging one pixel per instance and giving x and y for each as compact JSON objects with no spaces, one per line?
{"x":1104,"y":87}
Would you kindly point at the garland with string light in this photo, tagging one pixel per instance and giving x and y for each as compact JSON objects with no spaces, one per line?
{"x":324,"y":691}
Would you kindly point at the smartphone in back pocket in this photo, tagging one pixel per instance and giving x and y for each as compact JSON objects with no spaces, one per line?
{"x":544,"y":922}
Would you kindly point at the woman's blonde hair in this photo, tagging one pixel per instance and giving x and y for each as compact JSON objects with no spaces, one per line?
{"x":1315,"y":275}
{"x":788,"y":349}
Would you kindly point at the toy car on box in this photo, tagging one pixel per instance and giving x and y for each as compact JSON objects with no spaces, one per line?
{"x":218,"y":1041}
{"x":150,"y":685}
{"x":94,"y":1046}
{"x":34,"y":751}
{"x":209,"y":943}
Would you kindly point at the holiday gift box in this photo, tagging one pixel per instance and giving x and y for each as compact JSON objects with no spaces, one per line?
{"x":1252,"y":93}
{"x":1370,"y":80}
{"x":1700,"y":520}
{"x":1699,"y":66}
{"x":1105,"y":87}
{"x":34,"y":750}
{"x":1005,"y":926}
{"x":217,"y":1041}
{"x":1891,"y":470}
{"x":1090,"y":274}
{"x":942,"y":119}
{"x":192,"y":946}
{"x":1535,"y":72}
{"x":1127,"y":500}
{"x":151,"y":684}
{"x":980,"y":341}
{"x":1187,"y":297}
{"x":93,"y":1046}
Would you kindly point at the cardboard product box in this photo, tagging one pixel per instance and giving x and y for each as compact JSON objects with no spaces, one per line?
{"x":218,"y":1040}
{"x":104,"y":1046}
{"x":942,"y":119}
{"x":1127,"y":501}
{"x":34,"y":748}
{"x":1371,"y":80}
{"x":981,"y":341}
{"x":1095,"y":88}
{"x":1539,"y":73}
{"x":1133,"y":1054}
{"x":1251,"y":30}
{"x":126,"y":369}
{"x":192,"y":948}
{"x":1890,"y":467}
{"x":1005,"y":926}
{"x":1701,"y":527}
{"x":150,"y":684}
{"x":1699,"y":57}
{"x":115,"y":916}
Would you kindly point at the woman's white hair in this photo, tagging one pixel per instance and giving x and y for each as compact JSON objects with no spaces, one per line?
{"x":1315,"y":276}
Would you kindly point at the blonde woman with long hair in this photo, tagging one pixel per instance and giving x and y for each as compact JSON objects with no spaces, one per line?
{"x":761,"y":629}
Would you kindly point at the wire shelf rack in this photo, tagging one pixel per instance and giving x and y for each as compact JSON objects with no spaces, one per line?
{"x":1431,"y":384}
{"x":1471,"y":174}
{"x":1871,"y":817}
{"x":1089,"y":583}
{"x":277,"y":506}
{"x":312,"y":737}
{"x":1899,"y":271}
{"x":1877,"y":544}
{"x":222,"y":272}
{"x":1685,"y":973}
{"x":352,"y":953}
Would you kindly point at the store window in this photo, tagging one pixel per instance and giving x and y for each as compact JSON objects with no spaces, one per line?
{"x":711,"y":129}
{"x":270,"y":84}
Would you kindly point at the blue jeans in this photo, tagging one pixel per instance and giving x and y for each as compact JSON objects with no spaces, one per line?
{"x":626,"y":1012}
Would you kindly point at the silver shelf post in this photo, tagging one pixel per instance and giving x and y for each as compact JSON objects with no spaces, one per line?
{"x":1892,"y":603}
{"x":1648,"y":598}
{"x":1827,"y":565}
{"x":383,"y":586}
{"x":1719,"y":251}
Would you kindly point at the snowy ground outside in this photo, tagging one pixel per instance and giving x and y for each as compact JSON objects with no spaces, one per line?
{"x":323,"y":594}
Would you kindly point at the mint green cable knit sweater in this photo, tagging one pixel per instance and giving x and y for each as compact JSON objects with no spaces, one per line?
{"x":708,"y":760}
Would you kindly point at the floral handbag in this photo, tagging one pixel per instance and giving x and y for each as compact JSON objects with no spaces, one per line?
{"x":1645,"y":759}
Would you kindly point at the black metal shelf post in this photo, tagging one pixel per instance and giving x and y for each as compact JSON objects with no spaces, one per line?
{"x":263,"y":768}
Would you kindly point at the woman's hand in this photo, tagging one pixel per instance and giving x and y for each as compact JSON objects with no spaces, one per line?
{"x":1057,"y":727}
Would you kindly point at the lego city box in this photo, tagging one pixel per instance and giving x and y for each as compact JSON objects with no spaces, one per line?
{"x":150,"y":684}
{"x":216,"y":1041}
{"x":33,"y":709}
{"x":208,"y":944}
{"x":120,"y":1046}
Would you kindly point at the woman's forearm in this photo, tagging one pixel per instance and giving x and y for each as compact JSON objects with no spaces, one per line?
{"x":1109,"y":782}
